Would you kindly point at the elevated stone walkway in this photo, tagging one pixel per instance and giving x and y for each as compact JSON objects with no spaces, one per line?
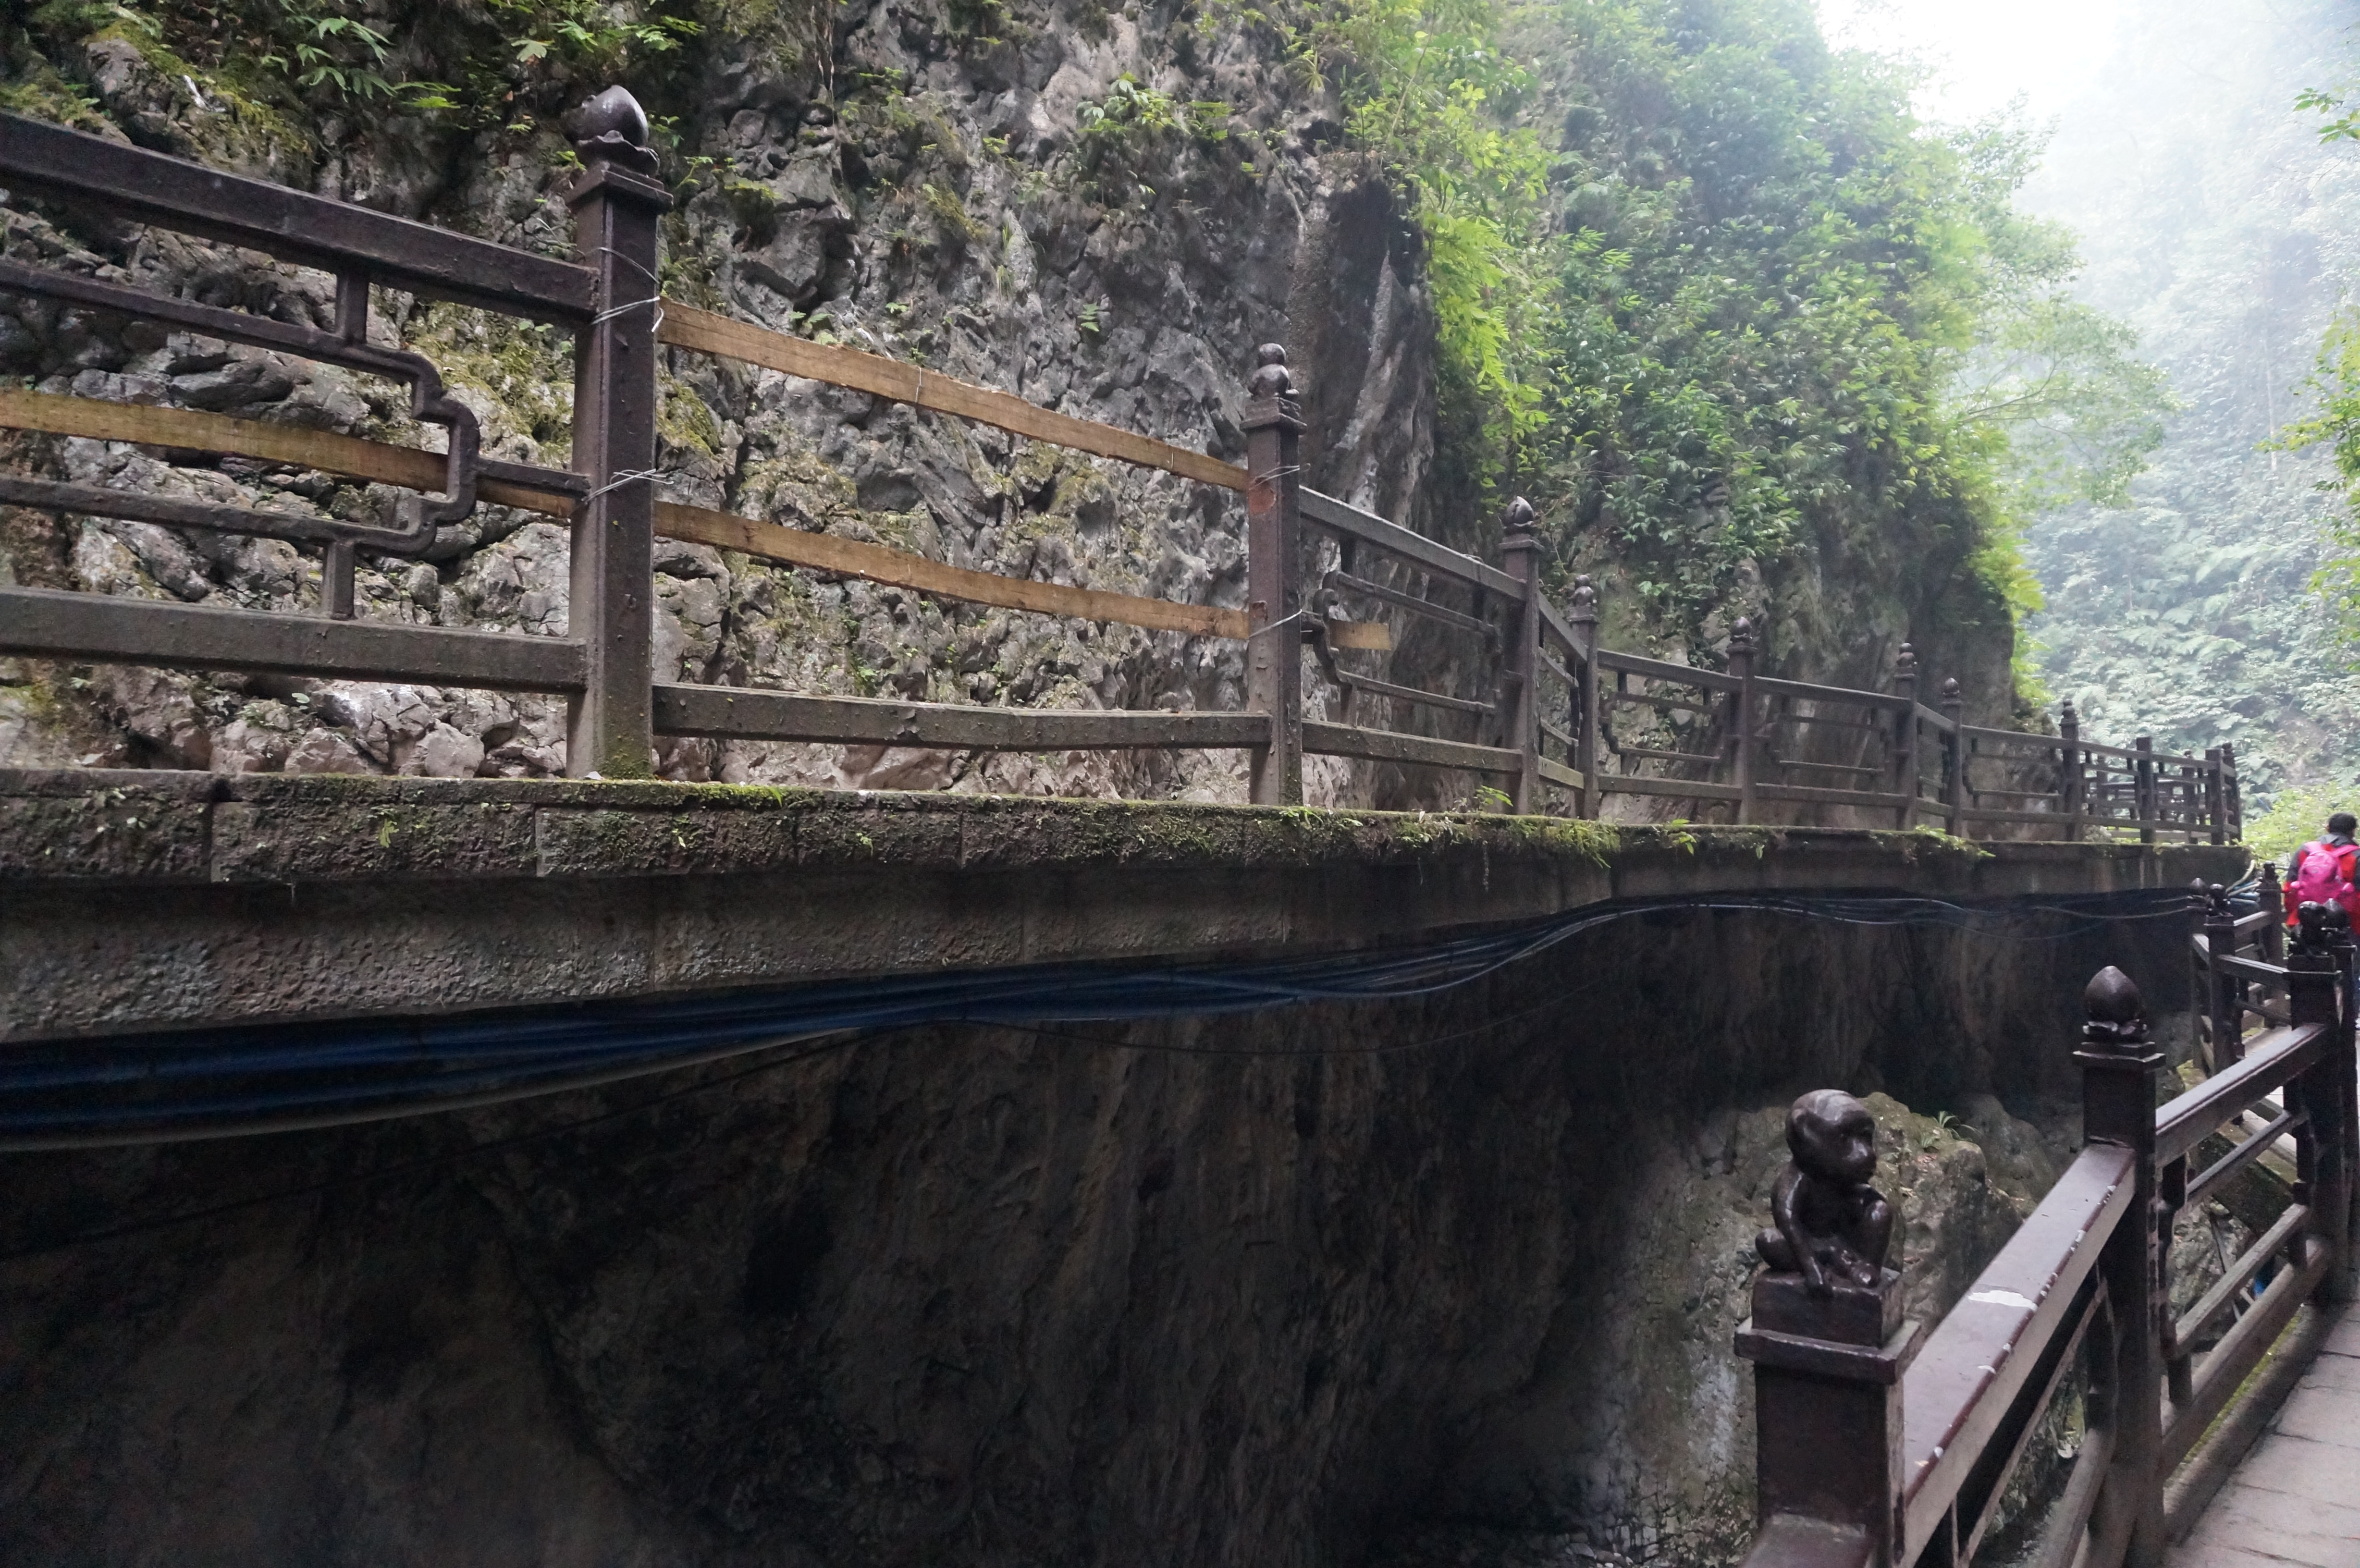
{"x":145,"y":900}
{"x":2296,"y":1497}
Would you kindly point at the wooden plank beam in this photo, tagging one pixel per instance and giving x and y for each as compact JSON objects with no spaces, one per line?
{"x":407,"y":466}
{"x":686,"y":327}
{"x":850,"y":557}
{"x":1555,"y":625}
{"x":737,"y":712}
{"x":1558,"y":773}
{"x":1412,"y":694}
{"x":1680,"y":788}
{"x":191,"y":430}
{"x":1665,"y":670}
{"x":1388,"y":746}
{"x":1775,"y":687}
{"x":42,"y":623}
{"x":1816,"y":795}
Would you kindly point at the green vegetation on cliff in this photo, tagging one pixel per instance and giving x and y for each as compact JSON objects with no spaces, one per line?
{"x":1712,"y":295}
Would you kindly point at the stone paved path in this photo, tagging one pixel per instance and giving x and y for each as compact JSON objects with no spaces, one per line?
{"x":2295,"y":1498}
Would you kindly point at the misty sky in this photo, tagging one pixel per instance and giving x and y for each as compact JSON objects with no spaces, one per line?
{"x":1985,"y":52}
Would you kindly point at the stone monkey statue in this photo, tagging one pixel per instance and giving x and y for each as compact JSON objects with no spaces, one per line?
{"x":1831,"y":1222}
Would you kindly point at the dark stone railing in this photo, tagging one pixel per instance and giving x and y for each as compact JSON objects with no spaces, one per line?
{"x":1880,"y":1444}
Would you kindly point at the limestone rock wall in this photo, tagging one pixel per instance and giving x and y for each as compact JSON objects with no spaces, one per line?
{"x":967,"y":186}
{"x":913,"y":193}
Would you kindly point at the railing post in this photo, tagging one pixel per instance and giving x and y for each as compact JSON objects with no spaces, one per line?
{"x":1954,"y":708}
{"x":2216,"y":804}
{"x":2319,"y":991}
{"x":1741,"y":717}
{"x":2234,"y":806}
{"x":2143,"y":786}
{"x":1905,"y":737}
{"x":617,"y":202}
{"x":2118,"y":1074}
{"x":2225,"y":994}
{"x":1522,"y":554}
{"x":1273,"y":425}
{"x":2343,"y":1077}
{"x":1828,"y":1348}
{"x":2069,"y":767}
{"x":2270,"y":895}
{"x":1584,"y":617}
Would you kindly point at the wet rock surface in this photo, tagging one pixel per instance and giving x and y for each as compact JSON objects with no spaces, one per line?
{"x":1318,"y":1286}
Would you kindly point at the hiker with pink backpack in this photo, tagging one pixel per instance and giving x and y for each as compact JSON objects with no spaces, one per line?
{"x":2325,"y":871}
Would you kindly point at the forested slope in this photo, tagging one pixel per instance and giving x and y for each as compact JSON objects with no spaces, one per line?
{"x":2217,"y":222}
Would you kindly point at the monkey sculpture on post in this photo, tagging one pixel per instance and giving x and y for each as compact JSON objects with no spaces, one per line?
{"x":1832,"y":1227}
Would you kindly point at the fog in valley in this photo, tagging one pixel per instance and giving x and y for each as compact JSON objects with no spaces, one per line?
{"x":2217,"y":222}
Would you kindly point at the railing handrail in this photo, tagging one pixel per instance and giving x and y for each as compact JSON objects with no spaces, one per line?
{"x":1778,"y":686}
{"x":1975,"y":1362}
{"x":1342,"y":517}
{"x":2270,"y":1060}
{"x":2013,"y":737}
{"x":2247,"y":968}
{"x":1665,"y":669}
{"x":2088,"y":1269}
{"x":294,"y":225}
{"x":1733,"y":750}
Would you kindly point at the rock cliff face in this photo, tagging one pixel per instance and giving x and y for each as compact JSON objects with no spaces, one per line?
{"x":1447,"y":1283}
{"x":917,"y":195}
{"x":1102,"y":210}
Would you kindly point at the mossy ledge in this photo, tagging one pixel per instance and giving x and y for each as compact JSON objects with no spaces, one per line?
{"x":76,"y":824}
{"x":137,"y":902}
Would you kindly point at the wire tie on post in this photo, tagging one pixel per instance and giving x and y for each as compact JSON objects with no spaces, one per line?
{"x":1303,"y":614}
{"x":611,"y":313}
{"x":633,"y":477}
{"x":633,"y":262}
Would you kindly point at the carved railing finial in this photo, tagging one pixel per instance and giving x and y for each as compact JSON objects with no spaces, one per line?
{"x":2116,"y":1016}
{"x":2322,"y":928}
{"x":1905,"y":663}
{"x":1584,"y":609}
{"x":1271,"y":392}
{"x":1271,"y":377}
{"x":1830,"y":1225}
{"x":1828,"y":1344}
{"x":1740,"y":637}
{"x":1517,"y":518}
{"x":2215,"y":901}
{"x":613,"y":128}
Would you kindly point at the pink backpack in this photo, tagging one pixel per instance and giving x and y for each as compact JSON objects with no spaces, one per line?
{"x":2324,"y":874}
